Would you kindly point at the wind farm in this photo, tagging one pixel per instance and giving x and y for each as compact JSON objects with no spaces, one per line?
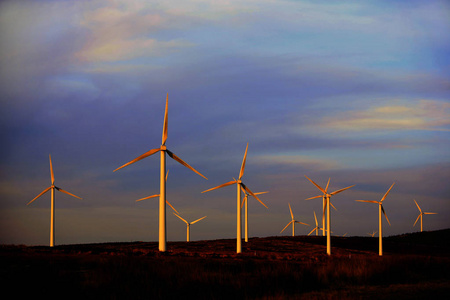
{"x":320,"y":100}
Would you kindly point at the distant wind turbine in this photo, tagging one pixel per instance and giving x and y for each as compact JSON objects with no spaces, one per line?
{"x":162,"y":194}
{"x":326,"y":196}
{"x":188,"y":225}
{"x":317,"y":228}
{"x":293,"y":221}
{"x":52,"y":212}
{"x":157,"y":195}
{"x":240,"y":185}
{"x":246,"y":209}
{"x":420,"y":216}
{"x":372,"y":234}
{"x":380,"y":224}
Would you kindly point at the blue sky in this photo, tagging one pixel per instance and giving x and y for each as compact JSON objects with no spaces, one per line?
{"x":355,"y":91}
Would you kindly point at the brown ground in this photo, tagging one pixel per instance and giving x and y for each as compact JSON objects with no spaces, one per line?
{"x":414,"y":266}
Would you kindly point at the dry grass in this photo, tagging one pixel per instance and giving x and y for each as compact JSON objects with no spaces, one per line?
{"x":299,"y":269}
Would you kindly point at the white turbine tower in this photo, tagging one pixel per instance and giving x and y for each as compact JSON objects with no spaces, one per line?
{"x":245,"y":201}
{"x":380,"y":223}
{"x":327,"y":197}
{"x":240,"y":185}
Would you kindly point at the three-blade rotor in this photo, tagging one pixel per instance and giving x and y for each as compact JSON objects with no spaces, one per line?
{"x":238,"y":181}
{"x":380,"y":202}
{"x":52,"y":176}
{"x":422,"y":213}
{"x":162,"y":148}
{"x":293,"y":220}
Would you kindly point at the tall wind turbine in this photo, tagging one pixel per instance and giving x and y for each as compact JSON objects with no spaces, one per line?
{"x":157,"y":195}
{"x":317,"y":226}
{"x":380,"y":224}
{"x":188,"y":224}
{"x":293,"y":221}
{"x":162,"y":187}
{"x":240,"y":185}
{"x":326,"y":196}
{"x":420,"y":216}
{"x":246,"y":210}
{"x":52,"y":212}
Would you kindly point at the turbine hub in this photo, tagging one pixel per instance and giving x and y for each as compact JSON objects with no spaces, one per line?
{"x":163,"y":148}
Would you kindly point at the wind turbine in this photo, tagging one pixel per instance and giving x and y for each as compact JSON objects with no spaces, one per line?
{"x":326,"y":197}
{"x":157,"y":195}
{"x":52,"y":212}
{"x":246,"y":210}
{"x":162,"y":194}
{"x":240,"y":185}
{"x":293,"y":221}
{"x":380,"y":224}
{"x":372,"y":234}
{"x":188,"y":224}
{"x":420,"y":216}
{"x":317,"y":226}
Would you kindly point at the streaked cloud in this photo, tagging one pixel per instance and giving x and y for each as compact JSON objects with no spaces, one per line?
{"x":393,"y":116}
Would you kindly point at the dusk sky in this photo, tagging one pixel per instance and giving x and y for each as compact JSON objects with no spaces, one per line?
{"x":355,"y":91}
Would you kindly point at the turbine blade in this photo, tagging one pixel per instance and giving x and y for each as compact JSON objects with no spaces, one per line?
{"x":253,"y":194}
{"x":292,"y":215}
{"x":430,"y":213}
{"x":167,"y":175}
{"x":320,"y":196}
{"x":221,"y":186}
{"x":172,"y":155}
{"x":321,"y":189}
{"x":260,"y":193}
{"x":241,"y":173}
{"x":315,"y":218}
{"x":51,"y":169}
{"x":369,"y":201}
{"x":333,"y":206}
{"x":417,"y":220}
{"x":302,"y":223}
{"x":164,"y":134}
{"x":181,"y":218}
{"x":152,"y":196}
{"x":385,"y":215}
{"x":328,"y":183}
{"x":146,"y":154}
{"x":385,"y":195}
{"x":61,"y":190}
{"x":243,"y":201}
{"x":198,"y":220}
{"x":418,"y":206}
{"x":341,"y":190}
{"x":172,"y":206}
{"x":286,"y":226}
{"x":42,"y":193}
{"x":312,"y":231}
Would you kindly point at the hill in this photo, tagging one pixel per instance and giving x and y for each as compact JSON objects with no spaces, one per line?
{"x":414,"y":265}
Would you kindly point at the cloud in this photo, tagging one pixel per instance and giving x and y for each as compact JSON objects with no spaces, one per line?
{"x":400,"y":115}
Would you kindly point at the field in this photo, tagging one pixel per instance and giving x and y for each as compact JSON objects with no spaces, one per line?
{"x":415,"y":266}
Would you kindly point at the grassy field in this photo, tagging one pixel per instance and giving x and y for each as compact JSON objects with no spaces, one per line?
{"x":415,"y":266}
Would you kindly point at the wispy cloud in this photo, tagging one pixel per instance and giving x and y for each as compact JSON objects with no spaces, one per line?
{"x":413,"y":115}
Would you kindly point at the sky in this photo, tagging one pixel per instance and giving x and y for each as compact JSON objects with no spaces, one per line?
{"x":354,"y":91}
